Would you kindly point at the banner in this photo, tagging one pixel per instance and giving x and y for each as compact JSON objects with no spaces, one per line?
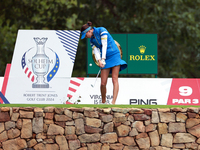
{"x":41,"y":67}
{"x":137,"y":91}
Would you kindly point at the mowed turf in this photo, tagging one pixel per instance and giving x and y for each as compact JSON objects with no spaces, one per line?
{"x":96,"y":106}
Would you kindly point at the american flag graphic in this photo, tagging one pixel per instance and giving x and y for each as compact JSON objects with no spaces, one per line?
{"x":27,"y":71}
{"x":73,"y":86}
{"x":69,"y":39}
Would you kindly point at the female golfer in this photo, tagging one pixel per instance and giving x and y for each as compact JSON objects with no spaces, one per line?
{"x":109,"y":56}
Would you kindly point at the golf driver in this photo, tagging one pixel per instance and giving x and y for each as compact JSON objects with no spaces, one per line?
{"x":96,"y":78}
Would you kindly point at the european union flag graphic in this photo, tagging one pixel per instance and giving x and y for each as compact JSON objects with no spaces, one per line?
{"x":54,"y":70}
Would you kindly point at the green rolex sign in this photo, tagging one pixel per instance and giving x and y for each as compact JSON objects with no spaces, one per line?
{"x":140,"y":51}
{"x":142,"y":54}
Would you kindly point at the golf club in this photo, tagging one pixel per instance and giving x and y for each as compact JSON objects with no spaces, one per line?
{"x":96,"y":78}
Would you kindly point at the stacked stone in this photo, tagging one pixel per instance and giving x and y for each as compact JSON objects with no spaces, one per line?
{"x":52,"y":128}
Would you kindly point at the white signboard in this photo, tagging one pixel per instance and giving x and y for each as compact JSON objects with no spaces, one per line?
{"x":41,"y":67}
{"x":132,"y":91}
{"x":138,"y":91}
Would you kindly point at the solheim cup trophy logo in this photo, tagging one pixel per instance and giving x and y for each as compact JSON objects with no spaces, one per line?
{"x":40,"y":64}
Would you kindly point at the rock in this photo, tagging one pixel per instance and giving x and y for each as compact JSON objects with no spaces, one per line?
{"x":105,"y":147}
{"x":167,"y":117}
{"x":38,"y":112}
{"x":59,"y":111}
{"x":119,"y":118}
{"x":117,"y":146}
{"x":91,"y":114}
{"x":127,"y":141}
{"x":109,"y":138}
{"x":141,"y":117}
{"x":62,"y":118}
{"x":155,"y":117}
{"x":79,"y":124}
{"x":180,"y":117}
{"x":26,"y":114}
{"x":191,"y":122}
{"x":163,"y":110}
{"x":141,"y":135}
{"x":191,"y":145}
{"x":184,"y":138}
{"x":49,"y":115}
{"x":143,"y":143}
{"x":133,"y":132}
{"x":179,"y":146}
{"x":89,"y":129}
{"x":106,"y":118}
{"x":195,"y":131}
{"x":77,"y":115}
{"x":123,"y":130}
{"x":2,"y":127}
{"x":13,"y":133}
{"x":108,"y":127}
{"x":3,"y":136}
{"x":55,"y":130}
{"x":139,"y":126}
{"x":49,"y":109}
{"x":120,"y":110}
{"x":176,"y":127}
{"x":68,"y":113}
{"x":107,"y":110}
{"x":38,"y":125}
{"x":69,"y":130}
{"x":31,"y":143}
{"x":19,"y":124}
{"x":77,"y":109}
{"x":26,"y":131}
{"x":136,"y":111}
{"x":9,"y":125}
{"x":62,"y":142}
{"x":52,"y":147}
{"x":93,"y":122}
{"x":150,"y":127}
{"x":14,"y":144}
{"x":74,"y":144}
{"x":154,"y":138}
{"x":15,"y":117}
{"x":167,"y":140}
{"x":89,"y":138}
{"x":71,"y":137}
{"x":94,"y":146}
{"x":162,"y":128}
{"x":39,"y":146}
{"x":60,"y":123}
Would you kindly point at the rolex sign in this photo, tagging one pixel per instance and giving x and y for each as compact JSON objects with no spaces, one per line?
{"x":142,"y":54}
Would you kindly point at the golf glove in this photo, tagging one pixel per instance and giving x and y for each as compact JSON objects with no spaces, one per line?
{"x":103,"y":62}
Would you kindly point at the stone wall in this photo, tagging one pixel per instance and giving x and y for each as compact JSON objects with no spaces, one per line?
{"x":52,"y":128}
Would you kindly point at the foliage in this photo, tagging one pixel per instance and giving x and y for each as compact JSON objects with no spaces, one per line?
{"x":177,"y":24}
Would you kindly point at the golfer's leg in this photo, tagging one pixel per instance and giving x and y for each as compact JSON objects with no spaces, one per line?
{"x":104,"y":77}
{"x":115,"y":74}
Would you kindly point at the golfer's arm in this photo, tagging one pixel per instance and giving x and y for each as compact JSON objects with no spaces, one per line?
{"x":104,"y":45}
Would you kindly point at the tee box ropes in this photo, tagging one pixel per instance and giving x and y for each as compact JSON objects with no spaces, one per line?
{"x":140,"y":51}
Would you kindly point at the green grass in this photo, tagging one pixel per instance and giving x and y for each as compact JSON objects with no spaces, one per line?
{"x":95,"y":106}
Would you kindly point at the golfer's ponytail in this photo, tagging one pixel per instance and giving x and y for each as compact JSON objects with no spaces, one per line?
{"x":89,"y":23}
{"x":85,"y":26}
